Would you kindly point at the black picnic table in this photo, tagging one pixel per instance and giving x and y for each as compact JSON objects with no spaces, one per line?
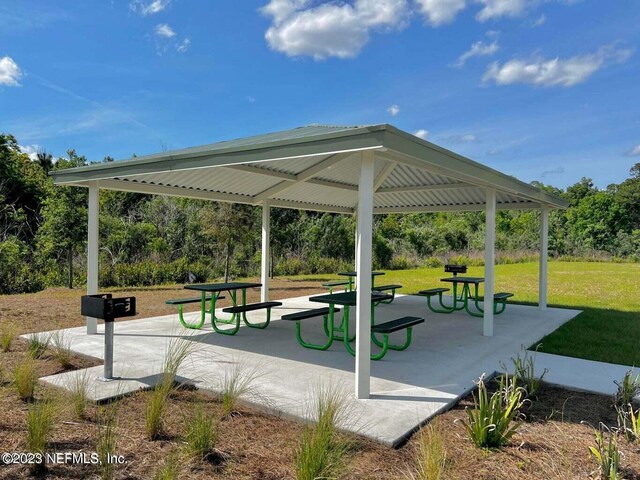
{"x":216,"y":289}
{"x":353,"y":274}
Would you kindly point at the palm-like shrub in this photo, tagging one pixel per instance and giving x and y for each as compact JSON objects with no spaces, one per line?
{"x":495,"y":418}
{"x":607,"y":455}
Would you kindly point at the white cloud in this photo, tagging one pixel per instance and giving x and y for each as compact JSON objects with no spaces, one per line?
{"x":478,"y":49}
{"x":164,"y":30}
{"x":184,"y":45}
{"x":439,"y":12}
{"x":150,"y":8}
{"x":330,"y":29}
{"x":421,"y":133}
{"x":634,"y":152}
{"x":393,"y":110}
{"x":10,"y":72}
{"x":555,"y":72}
{"x":541,"y":20}
{"x":502,"y":8}
{"x":31,"y":150}
{"x":468,"y":138}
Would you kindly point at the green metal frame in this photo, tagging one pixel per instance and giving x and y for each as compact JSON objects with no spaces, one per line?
{"x":235,"y":318}
{"x":203,"y":311}
{"x":464,"y":297}
{"x":386,"y":302}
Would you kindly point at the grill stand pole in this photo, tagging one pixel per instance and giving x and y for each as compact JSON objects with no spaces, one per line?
{"x":108,"y":352}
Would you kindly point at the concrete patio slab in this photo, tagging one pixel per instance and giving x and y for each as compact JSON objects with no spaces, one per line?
{"x":447,"y":355}
{"x":580,"y":374}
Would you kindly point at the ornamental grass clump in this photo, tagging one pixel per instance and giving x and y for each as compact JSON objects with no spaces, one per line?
{"x":61,"y":349}
{"x":237,"y":382}
{"x":8,"y":334}
{"x":37,"y":345}
{"x":430,"y":454}
{"x":79,"y":392}
{"x":321,"y":452}
{"x":176,"y":353}
{"x":107,"y":440}
{"x":495,"y":419}
{"x":41,"y":418}
{"x":25,"y":378}
{"x":170,"y":469}
{"x":201,"y":433}
{"x":607,"y":456}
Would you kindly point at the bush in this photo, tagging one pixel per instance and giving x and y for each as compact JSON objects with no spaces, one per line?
{"x":494,"y":420}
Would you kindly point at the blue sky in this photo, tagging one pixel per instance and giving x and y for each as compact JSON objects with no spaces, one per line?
{"x":544,"y":90}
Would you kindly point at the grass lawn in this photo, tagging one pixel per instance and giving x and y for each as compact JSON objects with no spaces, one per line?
{"x":608,"y":330}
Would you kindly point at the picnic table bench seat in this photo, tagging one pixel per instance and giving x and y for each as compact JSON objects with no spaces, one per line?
{"x":242,"y":310}
{"x":403,"y":323}
{"x":499,"y":300}
{"x":251,"y":307}
{"x":182,"y":301}
{"x":386,"y":288}
{"x":432,"y":292}
{"x":313,"y":313}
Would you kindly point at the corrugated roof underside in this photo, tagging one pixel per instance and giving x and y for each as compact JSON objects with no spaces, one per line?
{"x":255,"y":178}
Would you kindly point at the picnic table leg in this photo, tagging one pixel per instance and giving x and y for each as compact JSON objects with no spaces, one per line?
{"x":328,"y":328}
{"x":262,"y":325}
{"x":203,"y":309}
{"x":334,"y":328}
{"x":212,"y":308}
{"x":475,"y":301}
{"x":349,"y":348}
{"x":234,"y":318}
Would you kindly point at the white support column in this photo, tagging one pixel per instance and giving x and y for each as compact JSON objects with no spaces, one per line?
{"x":489,"y":262}
{"x":355,"y":260}
{"x":92,"y":252}
{"x":544,"y":255}
{"x":266,"y":252}
{"x":363,"y":279}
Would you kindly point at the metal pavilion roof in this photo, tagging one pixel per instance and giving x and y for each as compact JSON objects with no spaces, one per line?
{"x":317,"y":168}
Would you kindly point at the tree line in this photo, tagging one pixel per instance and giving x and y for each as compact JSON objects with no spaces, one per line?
{"x":149,"y":240}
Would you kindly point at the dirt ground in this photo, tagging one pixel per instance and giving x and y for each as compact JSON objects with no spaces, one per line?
{"x":552,"y":443}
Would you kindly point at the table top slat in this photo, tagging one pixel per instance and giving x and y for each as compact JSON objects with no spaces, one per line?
{"x":347,"y":298}
{"x":463,"y":279}
{"x":218,"y":287}
{"x":354,"y":274}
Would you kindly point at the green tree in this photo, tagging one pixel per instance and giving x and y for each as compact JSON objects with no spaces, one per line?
{"x":64,"y":228}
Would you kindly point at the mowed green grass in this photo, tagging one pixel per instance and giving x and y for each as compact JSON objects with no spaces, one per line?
{"x":608,"y":329}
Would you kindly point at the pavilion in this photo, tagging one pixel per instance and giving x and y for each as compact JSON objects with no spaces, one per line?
{"x":361,"y":170}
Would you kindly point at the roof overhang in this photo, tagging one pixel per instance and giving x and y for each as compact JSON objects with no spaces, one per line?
{"x":317,"y":168}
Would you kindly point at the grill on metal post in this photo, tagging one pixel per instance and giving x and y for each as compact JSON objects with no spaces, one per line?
{"x":107,"y":308}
